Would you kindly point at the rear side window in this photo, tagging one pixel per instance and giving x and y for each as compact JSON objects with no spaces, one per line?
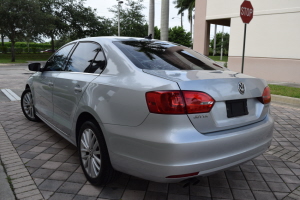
{"x":58,"y":61}
{"x":99,"y":63}
{"x":83,"y":57}
{"x":158,"y":55}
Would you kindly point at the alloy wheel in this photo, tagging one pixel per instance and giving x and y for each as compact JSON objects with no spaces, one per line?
{"x":28,"y":105}
{"x":90,"y":153}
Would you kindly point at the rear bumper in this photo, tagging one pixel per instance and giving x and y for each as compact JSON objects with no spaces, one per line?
{"x":154,"y":151}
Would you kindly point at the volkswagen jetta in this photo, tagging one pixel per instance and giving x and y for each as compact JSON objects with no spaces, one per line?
{"x":149,"y":108}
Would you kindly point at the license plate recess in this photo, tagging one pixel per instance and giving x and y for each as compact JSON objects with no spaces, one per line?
{"x":236,"y":108}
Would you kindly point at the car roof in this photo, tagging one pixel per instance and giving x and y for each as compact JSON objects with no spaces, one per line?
{"x":111,"y":39}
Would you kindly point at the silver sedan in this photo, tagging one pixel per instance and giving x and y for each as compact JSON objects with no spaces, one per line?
{"x":149,"y":108}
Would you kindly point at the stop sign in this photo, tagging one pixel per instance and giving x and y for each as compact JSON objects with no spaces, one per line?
{"x":246,"y":12}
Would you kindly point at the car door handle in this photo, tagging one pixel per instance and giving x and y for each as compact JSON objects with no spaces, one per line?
{"x":50,"y":84}
{"x":78,"y":89}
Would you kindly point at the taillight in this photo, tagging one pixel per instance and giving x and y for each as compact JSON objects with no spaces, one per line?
{"x":266,"y":96}
{"x":179,"y":102}
{"x":198,"y":102}
{"x":165,"y":102}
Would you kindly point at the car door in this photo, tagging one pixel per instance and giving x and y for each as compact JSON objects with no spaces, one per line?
{"x":70,"y":85}
{"x":44,"y":83}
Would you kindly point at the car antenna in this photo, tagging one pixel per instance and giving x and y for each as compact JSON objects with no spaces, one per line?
{"x":149,"y":37}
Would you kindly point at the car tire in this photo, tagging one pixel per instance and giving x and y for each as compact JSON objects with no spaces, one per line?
{"x":28,"y":106}
{"x":93,"y":154}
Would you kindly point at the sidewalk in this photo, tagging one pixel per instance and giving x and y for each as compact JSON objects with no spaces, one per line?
{"x":43,"y":165}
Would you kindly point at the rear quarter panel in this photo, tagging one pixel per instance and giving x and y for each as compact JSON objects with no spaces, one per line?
{"x":117,"y":96}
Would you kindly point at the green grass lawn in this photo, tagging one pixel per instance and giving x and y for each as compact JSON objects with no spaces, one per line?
{"x":217,"y":58}
{"x":24,"y":57}
{"x":285,"y":91}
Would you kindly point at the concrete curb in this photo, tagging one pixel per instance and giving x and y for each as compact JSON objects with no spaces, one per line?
{"x":286,"y":100}
{"x":5,"y":190}
{"x":23,"y":184}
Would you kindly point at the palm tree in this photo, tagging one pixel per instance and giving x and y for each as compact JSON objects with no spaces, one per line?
{"x":151,"y":18}
{"x":164,"y":23}
{"x":183,"y":5}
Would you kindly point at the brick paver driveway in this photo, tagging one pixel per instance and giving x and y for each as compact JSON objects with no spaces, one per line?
{"x":53,"y":172}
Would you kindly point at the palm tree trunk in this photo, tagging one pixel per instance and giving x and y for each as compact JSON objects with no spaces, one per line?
{"x":181,"y":15}
{"x":191,"y":25}
{"x":151,"y":18}
{"x":164,"y":24}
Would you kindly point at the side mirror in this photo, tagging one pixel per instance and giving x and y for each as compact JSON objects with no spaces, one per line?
{"x":34,"y":67}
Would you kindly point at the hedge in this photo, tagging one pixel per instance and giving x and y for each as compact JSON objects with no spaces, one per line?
{"x":31,"y":45}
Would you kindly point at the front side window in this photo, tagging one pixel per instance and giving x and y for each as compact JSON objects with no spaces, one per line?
{"x":58,"y":61}
{"x":158,"y":55}
{"x":83,"y":57}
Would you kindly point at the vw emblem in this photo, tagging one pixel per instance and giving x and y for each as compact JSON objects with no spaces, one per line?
{"x":241,"y":87}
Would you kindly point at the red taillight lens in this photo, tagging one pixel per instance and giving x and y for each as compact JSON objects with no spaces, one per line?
{"x":165,"y":102}
{"x":198,"y":102}
{"x":266,"y":96}
{"x":177,"y":102}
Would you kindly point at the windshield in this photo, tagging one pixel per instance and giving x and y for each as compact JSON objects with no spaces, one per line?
{"x":158,"y":55}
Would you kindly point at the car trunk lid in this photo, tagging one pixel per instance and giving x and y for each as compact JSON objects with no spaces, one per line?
{"x":223,"y":87}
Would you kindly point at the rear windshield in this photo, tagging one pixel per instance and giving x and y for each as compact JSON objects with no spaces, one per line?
{"x":158,"y":55}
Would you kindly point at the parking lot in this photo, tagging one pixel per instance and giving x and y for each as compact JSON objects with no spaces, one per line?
{"x":43,"y":165}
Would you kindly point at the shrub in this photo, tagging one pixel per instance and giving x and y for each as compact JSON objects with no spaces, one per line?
{"x":5,"y":49}
{"x":19,"y":50}
{"x":34,"y":49}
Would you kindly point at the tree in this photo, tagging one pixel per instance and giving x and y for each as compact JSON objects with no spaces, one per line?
{"x":55,"y":19}
{"x":156,"y":33}
{"x":20,"y":20}
{"x":219,"y":43}
{"x":69,"y":19}
{"x":106,"y":27}
{"x":188,"y":5}
{"x":81,"y":21}
{"x":132,"y":21}
{"x":178,"y":35}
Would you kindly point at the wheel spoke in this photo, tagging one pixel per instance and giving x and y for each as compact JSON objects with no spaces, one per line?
{"x":90,"y":134}
{"x":96,"y":152}
{"x":84,"y":143}
{"x":97,"y":160}
{"x":84,"y":150}
{"x":89,"y":166}
{"x":96,"y":168}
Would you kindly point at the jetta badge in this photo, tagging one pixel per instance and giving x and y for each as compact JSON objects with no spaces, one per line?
{"x":241,"y":87}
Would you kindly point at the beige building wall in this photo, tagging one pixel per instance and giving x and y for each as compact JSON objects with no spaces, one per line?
{"x":273,"y":37}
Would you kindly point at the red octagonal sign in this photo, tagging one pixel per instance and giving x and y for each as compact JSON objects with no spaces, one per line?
{"x":246,"y":12}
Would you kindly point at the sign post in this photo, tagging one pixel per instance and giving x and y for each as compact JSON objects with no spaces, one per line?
{"x":246,"y":14}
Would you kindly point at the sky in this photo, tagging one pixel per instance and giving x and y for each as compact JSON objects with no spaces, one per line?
{"x":174,"y":19}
